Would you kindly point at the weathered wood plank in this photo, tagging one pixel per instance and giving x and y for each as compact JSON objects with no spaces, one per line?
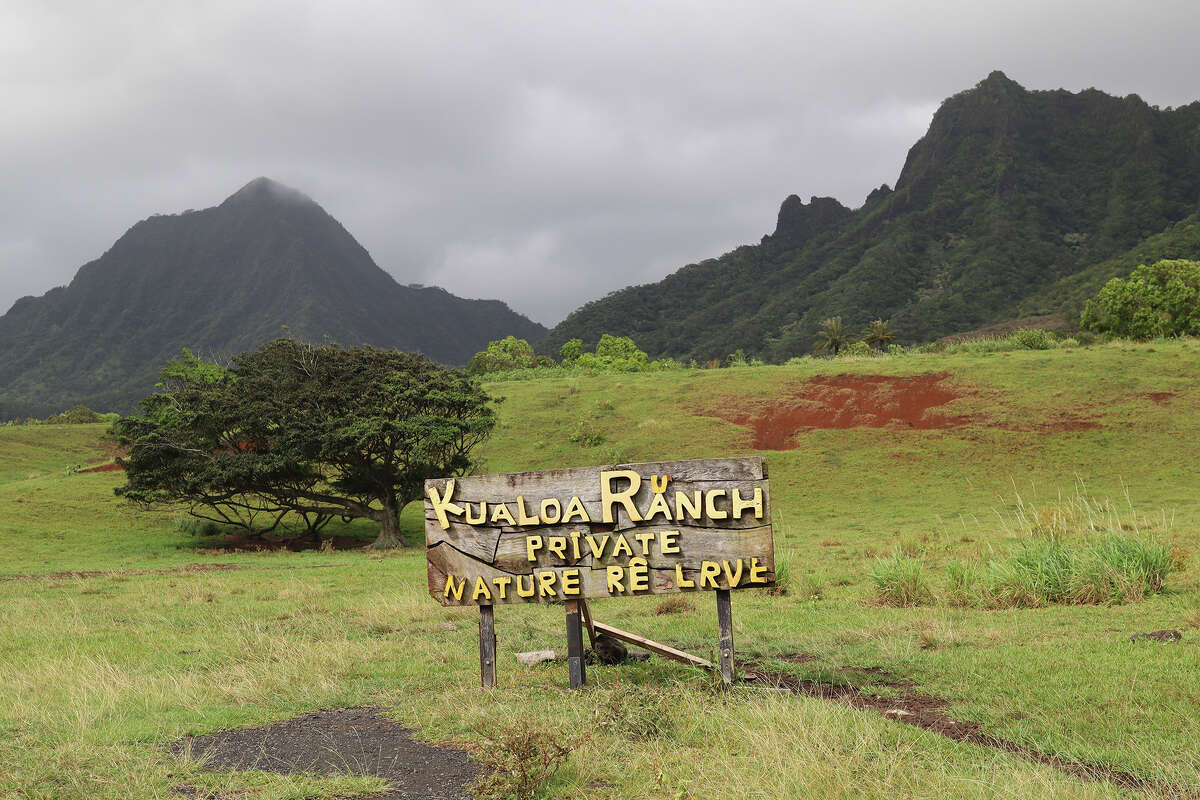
{"x":666,"y":651}
{"x":702,"y":544}
{"x":487,"y":646}
{"x":725,"y":635}
{"x":587,"y":622}
{"x":483,"y":506}
{"x":527,"y":553}
{"x":444,"y":561}
{"x":504,"y":487}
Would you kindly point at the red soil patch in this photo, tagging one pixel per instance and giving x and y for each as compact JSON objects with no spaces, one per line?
{"x":113,"y":467}
{"x":1160,"y":398}
{"x":850,"y":401}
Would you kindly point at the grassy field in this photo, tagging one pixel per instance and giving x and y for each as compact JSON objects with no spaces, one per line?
{"x":120,"y":637}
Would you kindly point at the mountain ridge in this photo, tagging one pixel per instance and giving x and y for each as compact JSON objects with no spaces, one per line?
{"x":1008,"y":195}
{"x":223,"y":280}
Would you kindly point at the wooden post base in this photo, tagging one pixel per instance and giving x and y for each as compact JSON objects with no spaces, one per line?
{"x":575,"y":646}
{"x":725,"y":634}
{"x":487,"y":646}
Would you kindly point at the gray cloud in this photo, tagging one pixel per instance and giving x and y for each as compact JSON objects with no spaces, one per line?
{"x":545,"y":154}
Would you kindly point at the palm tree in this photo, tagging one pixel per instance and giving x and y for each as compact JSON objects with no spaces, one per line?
{"x":831,"y":335}
{"x":879,"y":333}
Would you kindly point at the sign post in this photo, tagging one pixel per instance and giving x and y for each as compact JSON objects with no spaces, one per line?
{"x":624,"y":530}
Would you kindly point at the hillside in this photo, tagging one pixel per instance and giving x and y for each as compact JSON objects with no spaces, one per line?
{"x":1014,"y":203}
{"x":221,"y":281}
{"x":148,"y":634}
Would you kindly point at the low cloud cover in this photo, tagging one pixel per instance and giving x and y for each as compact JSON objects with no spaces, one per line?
{"x":543,"y":154}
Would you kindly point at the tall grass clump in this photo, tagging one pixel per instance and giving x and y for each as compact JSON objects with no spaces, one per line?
{"x":900,"y":581}
{"x":1078,"y":551}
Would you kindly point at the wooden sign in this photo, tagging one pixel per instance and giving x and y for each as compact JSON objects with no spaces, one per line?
{"x":593,"y":532}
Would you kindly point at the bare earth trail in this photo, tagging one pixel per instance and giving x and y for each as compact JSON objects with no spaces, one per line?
{"x":926,"y":712}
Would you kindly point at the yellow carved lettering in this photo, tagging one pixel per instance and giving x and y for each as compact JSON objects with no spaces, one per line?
{"x":453,"y":588}
{"x":682,"y":582}
{"x":758,"y":573}
{"x":621,"y":543}
{"x":523,"y":516}
{"x":442,"y":505}
{"x":609,"y":498}
{"x":639,"y":574}
{"x":472,"y":519}
{"x":755,"y":502}
{"x":522,"y":591}
{"x":502,"y":514}
{"x":691,"y":503}
{"x":597,"y":549}
{"x":557,"y":545}
{"x":734,"y":577}
{"x":551,"y":511}
{"x":616,"y":576}
{"x":575,"y":510}
{"x":502,"y":583}
{"x":481,"y":590}
{"x":644,"y":539}
{"x":709,"y":572}
{"x":658,"y":505}
{"x":570,"y":582}
{"x":546,"y":584}
{"x":669,"y":542}
{"x":532,"y":545}
{"x":710,"y":504}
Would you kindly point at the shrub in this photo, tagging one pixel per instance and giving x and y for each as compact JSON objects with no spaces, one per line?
{"x":1032,"y":339}
{"x":855,"y":350}
{"x":585,"y":434}
{"x":518,"y":759}
{"x":642,"y":714}
{"x":900,"y":581}
{"x":79,"y":415}
{"x":1162,"y":299}
{"x":672,"y":604}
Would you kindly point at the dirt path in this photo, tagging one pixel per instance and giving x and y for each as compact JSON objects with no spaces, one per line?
{"x":926,"y":712}
{"x":356,"y":741}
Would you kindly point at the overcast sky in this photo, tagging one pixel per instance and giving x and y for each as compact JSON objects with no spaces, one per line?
{"x":541,"y":153}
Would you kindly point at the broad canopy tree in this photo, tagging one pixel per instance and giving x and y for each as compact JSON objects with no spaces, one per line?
{"x":299,"y":430}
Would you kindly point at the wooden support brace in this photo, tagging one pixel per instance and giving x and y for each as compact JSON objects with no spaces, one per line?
{"x":725,"y":633}
{"x":666,"y":651}
{"x":587,"y":622}
{"x":487,"y":646}
{"x":575,"y":646}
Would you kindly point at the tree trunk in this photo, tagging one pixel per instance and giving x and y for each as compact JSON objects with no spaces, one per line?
{"x":389,"y":529}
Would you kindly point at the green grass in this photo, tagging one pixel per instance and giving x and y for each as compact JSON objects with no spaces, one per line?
{"x":99,"y":671}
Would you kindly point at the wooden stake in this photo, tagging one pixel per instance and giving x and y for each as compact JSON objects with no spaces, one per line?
{"x":725,"y":628}
{"x":487,"y":646}
{"x":587,"y":622}
{"x":575,"y":646}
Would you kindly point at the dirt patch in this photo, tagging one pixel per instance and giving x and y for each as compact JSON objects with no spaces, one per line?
{"x":242,"y":542}
{"x":1160,"y":398}
{"x":927,"y":712}
{"x":354,"y":741}
{"x":1048,"y":322}
{"x":103,"y":573}
{"x":848,"y":401}
{"x":113,"y":467}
